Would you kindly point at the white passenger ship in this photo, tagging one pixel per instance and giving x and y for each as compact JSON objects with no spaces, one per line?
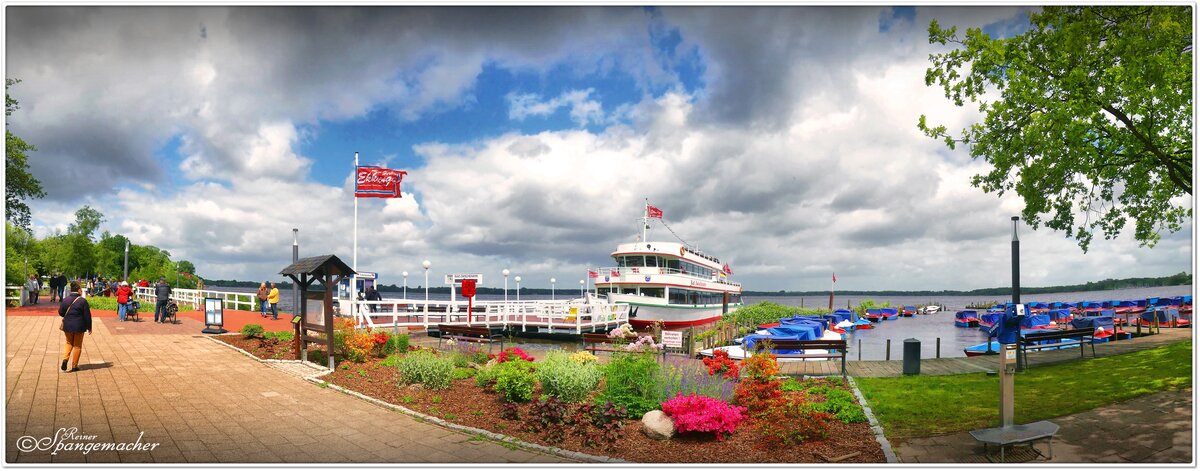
{"x":670,"y":282}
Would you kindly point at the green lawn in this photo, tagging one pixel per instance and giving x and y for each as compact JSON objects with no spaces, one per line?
{"x":919,"y":406}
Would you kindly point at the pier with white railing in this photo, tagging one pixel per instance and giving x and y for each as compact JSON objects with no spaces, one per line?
{"x":574,"y":316}
{"x":196,"y":297}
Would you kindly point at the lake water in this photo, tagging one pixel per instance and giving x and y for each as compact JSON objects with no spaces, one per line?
{"x":925,"y":328}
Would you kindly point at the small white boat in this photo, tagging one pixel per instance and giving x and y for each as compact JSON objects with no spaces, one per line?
{"x":931,"y":309}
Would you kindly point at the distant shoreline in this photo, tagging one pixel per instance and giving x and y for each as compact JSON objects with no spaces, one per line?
{"x":1180,"y":279}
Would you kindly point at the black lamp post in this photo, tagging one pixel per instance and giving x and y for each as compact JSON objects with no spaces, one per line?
{"x":1016,"y":264}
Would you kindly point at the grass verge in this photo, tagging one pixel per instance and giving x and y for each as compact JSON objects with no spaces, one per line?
{"x":919,"y":406}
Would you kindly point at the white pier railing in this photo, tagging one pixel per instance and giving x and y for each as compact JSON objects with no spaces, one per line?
{"x":195,"y":297}
{"x":574,"y":315}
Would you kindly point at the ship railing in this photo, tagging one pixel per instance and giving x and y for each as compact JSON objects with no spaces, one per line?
{"x":661,"y":271}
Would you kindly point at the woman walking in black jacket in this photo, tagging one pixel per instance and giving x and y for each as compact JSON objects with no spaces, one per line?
{"x":77,"y":319}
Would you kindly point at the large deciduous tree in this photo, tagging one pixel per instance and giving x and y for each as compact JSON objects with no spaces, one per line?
{"x":1087,"y":116}
{"x":19,"y":184}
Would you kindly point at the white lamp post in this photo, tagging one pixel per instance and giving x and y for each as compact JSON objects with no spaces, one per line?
{"x":518,"y":279}
{"x":426,"y":264}
{"x":552,"y":280}
{"x":581,"y":288}
{"x":405,"y":275}
{"x":505,"y":273}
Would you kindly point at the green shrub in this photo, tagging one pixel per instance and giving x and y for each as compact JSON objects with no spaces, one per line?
{"x":252,"y":330}
{"x":485,"y":376}
{"x":566,"y":379}
{"x":631,"y":380}
{"x":108,"y":303}
{"x":463,"y":373}
{"x":283,"y":336}
{"x":460,"y":360}
{"x":392,"y":360}
{"x":840,"y":404}
{"x":425,"y":368}
{"x":397,"y":343}
{"x":515,"y":380}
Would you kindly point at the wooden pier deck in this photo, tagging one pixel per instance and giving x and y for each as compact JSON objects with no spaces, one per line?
{"x":980,"y":364}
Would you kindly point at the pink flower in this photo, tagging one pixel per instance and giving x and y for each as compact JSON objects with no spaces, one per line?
{"x":696,"y":413}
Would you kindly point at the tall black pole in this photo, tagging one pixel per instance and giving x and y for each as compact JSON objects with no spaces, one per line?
{"x":126,"y":277}
{"x":1016,"y":264}
{"x":295,"y":258}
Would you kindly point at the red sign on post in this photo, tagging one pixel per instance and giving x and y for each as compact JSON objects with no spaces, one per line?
{"x":378,"y":182}
{"x":468,"y":288}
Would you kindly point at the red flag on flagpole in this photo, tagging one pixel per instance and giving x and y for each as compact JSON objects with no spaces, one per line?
{"x":653,"y":212}
{"x":616,"y":273}
{"x":593,"y":274}
{"x":835,"y":277}
{"x":727,"y":270}
{"x":377,"y":182}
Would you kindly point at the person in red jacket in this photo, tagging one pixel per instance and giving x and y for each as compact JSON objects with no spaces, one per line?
{"x":124,"y":295}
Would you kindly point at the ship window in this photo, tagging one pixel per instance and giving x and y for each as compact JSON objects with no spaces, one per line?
{"x":635,"y":261}
{"x":652,"y":261}
{"x":652,"y":292}
{"x":601,"y":291}
{"x":620,"y":261}
{"x":673,"y":264}
{"x":628,"y":290}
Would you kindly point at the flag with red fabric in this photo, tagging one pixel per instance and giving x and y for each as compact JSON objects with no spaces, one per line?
{"x":835,"y":277}
{"x":653,"y":212}
{"x":593,"y":274}
{"x":616,"y":273}
{"x":377,"y":182}
{"x":727,"y":270}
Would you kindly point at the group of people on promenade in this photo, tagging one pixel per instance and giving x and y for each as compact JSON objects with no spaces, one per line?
{"x":268,"y":298}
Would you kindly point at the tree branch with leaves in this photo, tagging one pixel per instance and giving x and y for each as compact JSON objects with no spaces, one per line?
{"x":1087,"y":116}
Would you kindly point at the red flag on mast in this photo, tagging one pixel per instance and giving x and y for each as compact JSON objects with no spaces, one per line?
{"x":593,"y":274}
{"x":653,"y":212}
{"x":835,"y":277}
{"x":727,"y":270}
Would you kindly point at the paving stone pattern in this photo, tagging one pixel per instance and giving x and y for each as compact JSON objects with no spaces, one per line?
{"x":204,"y":403}
{"x":1156,"y":428}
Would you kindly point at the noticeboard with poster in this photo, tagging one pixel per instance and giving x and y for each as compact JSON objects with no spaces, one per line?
{"x":214,"y":312}
{"x":314,"y":315}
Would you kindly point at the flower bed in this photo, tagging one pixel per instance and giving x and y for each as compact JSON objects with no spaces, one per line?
{"x":594,"y":425}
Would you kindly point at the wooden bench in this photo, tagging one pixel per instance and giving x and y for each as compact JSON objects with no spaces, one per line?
{"x":1059,"y":338}
{"x":464,"y":333}
{"x":839,"y":345}
{"x":603,"y":343}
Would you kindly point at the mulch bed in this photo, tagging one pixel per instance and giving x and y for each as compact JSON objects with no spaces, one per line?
{"x":265,"y":349}
{"x":466,"y":404}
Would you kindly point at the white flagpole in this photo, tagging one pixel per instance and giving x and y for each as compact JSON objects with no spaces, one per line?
{"x":354,"y":262}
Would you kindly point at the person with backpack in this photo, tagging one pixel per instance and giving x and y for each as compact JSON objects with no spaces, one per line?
{"x":76,"y":319}
{"x":262,"y":299}
{"x":163,"y":292}
{"x":124,"y":295}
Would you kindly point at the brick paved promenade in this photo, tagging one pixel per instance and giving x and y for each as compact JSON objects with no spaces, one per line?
{"x":203,"y":403}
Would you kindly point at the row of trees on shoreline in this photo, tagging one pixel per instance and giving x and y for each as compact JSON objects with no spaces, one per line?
{"x":78,"y":253}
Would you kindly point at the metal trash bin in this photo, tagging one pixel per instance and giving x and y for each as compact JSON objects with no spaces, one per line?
{"x":912,"y":357}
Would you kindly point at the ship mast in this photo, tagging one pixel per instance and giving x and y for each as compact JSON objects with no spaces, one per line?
{"x":645,"y":219}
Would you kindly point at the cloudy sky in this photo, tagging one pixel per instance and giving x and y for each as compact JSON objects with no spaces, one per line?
{"x":782,"y":140}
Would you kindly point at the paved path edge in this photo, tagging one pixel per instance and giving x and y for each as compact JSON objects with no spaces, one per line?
{"x":315,"y":379}
{"x":324,"y":370}
{"x":875,"y":426}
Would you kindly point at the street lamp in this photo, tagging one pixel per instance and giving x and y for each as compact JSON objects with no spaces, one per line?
{"x":581,"y":288}
{"x":505,"y":273}
{"x":426,"y":264}
{"x":552,"y":280}
{"x":405,"y":275}
{"x":518,"y":279}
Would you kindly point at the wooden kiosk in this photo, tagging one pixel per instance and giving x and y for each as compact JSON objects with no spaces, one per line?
{"x":318,"y":318}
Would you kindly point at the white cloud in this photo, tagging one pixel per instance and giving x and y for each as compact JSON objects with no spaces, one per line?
{"x":583,"y":110}
{"x":799,"y":155}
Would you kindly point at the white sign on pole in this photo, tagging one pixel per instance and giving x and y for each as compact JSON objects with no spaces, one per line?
{"x":456,"y":278}
{"x":672,"y":339}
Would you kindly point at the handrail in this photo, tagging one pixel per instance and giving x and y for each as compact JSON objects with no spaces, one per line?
{"x":196,"y":297}
{"x":604,"y":271}
{"x":565,"y":314}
